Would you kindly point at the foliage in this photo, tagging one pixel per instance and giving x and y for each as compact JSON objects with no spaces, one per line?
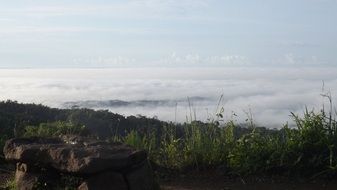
{"x":147,"y":142}
{"x":307,"y":149}
{"x":54,"y":129}
{"x":9,"y":185}
{"x":203,"y":145}
{"x":14,"y":117}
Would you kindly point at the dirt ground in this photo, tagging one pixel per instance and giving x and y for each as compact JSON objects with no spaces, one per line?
{"x":213,"y":181}
{"x":197,"y":185}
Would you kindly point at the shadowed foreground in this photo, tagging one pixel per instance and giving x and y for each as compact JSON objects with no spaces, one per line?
{"x":214,"y":181}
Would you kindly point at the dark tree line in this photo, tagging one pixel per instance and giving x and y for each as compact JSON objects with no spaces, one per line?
{"x":14,"y":117}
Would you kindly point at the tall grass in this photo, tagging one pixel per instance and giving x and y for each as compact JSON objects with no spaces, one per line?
{"x":308,"y":149}
{"x":199,"y":145}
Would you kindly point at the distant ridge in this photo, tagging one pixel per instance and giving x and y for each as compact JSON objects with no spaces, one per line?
{"x":133,"y":103}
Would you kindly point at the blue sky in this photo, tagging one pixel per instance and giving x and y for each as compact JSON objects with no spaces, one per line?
{"x":168,"y":33}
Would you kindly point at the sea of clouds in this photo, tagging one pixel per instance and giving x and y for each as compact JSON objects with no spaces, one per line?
{"x":176,"y":94}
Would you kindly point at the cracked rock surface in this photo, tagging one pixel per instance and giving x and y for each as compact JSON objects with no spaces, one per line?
{"x":84,"y":163}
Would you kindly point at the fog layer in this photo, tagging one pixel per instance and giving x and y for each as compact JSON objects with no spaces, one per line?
{"x":176,"y":94}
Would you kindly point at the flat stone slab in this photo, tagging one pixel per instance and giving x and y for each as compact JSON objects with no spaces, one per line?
{"x":74,"y":155}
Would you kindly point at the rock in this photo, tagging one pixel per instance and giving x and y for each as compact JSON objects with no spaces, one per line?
{"x":142,"y":178}
{"x":77,"y":162}
{"x":23,"y":180}
{"x":27,"y":177}
{"x":106,"y":180}
{"x":72,"y":157}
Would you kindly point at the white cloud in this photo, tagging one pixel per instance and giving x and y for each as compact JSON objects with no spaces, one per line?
{"x":270,"y":93}
{"x":291,"y":59}
{"x":228,"y":60}
{"x":100,"y":61}
{"x":196,"y":59}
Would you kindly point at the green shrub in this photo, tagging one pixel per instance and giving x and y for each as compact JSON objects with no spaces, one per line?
{"x":146,"y":142}
{"x":54,"y":129}
{"x":200,"y":145}
{"x":9,"y":185}
{"x":308,"y":149}
{"x":314,"y":143}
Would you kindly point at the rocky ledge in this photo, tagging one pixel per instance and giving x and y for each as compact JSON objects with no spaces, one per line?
{"x":79,"y":163}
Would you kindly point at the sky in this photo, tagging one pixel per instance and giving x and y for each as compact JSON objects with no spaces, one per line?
{"x":270,"y":57}
{"x":167,"y":33}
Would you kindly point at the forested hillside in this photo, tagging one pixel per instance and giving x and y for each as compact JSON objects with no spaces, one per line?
{"x":14,"y":117}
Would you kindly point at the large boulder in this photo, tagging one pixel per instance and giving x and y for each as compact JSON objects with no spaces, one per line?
{"x":24,"y":180}
{"x":141,"y":178}
{"x":106,"y":180}
{"x":76,"y":157}
{"x":94,"y":164}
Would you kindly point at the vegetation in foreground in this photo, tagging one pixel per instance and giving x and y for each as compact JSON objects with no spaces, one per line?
{"x":307,"y":150}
